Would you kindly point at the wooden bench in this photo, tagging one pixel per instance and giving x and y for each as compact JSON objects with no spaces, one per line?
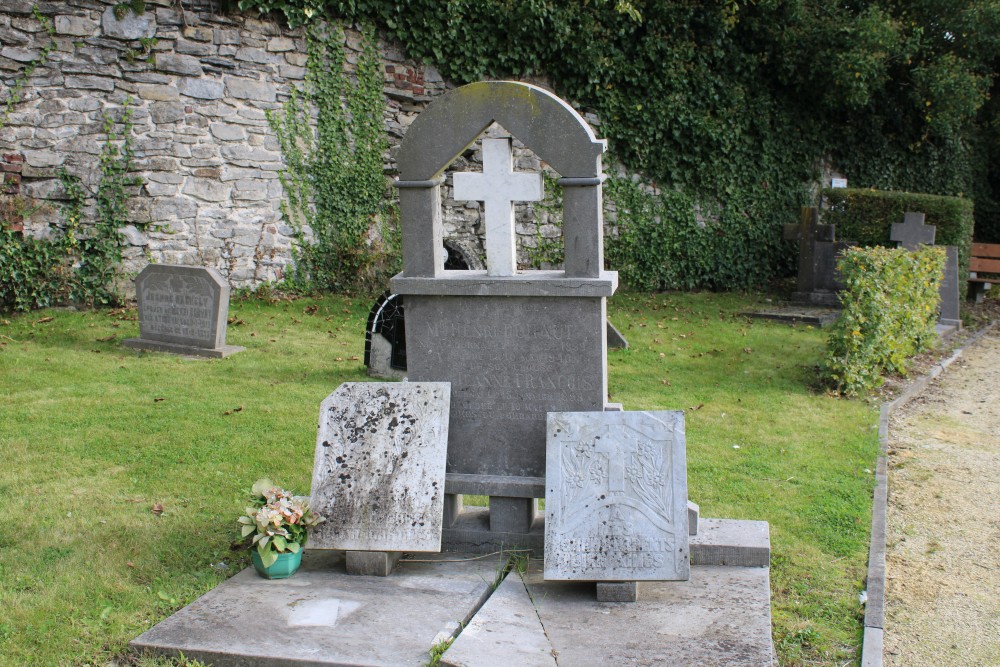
{"x":985,"y":259}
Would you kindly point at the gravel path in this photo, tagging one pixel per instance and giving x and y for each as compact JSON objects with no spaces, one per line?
{"x":943,"y":537}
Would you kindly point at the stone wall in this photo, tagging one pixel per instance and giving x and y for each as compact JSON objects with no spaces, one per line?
{"x":207,"y":157}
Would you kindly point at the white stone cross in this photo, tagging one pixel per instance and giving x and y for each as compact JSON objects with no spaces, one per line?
{"x":498,"y":187}
{"x":617,"y":450}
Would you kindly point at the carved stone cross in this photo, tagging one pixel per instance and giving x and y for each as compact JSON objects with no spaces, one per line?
{"x":617,"y":453}
{"x":912,"y":232}
{"x":498,"y":187}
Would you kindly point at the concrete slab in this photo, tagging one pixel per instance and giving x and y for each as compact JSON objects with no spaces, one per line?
{"x":721,"y":616}
{"x":817,"y":317}
{"x":731,"y":542}
{"x":324,"y":616}
{"x":505,"y":632}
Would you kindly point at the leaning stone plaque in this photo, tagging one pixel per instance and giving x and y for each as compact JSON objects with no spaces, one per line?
{"x":182,"y":309}
{"x":378,"y":474}
{"x":616,"y":497}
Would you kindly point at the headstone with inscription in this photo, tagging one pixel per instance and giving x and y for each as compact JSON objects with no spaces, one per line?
{"x":378,"y":471}
{"x":182,"y":309}
{"x":514,"y":344}
{"x":616,"y":497}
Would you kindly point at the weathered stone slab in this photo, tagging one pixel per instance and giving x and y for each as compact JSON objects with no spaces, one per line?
{"x":949,"y":290}
{"x":324,"y":616}
{"x":378,"y":473}
{"x":182,"y":309}
{"x":721,"y":616}
{"x":817,"y":317}
{"x":736,"y":542}
{"x":616,"y":497}
{"x":510,"y":360}
{"x":505,"y":632}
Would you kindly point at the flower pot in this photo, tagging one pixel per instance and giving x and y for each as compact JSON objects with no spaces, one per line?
{"x":285,"y":566}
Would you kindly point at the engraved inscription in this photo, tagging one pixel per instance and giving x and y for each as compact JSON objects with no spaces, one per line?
{"x":179,"y":306}
{"x":616,"y":497}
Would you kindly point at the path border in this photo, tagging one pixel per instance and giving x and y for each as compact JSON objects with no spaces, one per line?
{"x":871,"y":647}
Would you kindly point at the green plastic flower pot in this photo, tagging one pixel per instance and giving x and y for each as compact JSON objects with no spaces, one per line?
{"x":285,"y":566}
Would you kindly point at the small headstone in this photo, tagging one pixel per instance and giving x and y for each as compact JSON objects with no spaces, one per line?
{"x":616,"y":497}
{"x":949,"y":290}
{"x":615,"y":338}
{"x":378,"y":473}
{"x":182,"y":309}
{"x":818,"y":279}
{"x":912,"y":232}
{"x":385,"y":337}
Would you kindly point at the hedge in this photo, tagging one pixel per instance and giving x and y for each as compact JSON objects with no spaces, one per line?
{"x":890,"y":302}
{"x":866,"y":217}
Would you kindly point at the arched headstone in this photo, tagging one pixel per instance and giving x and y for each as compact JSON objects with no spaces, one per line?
{"x":514,"y":345}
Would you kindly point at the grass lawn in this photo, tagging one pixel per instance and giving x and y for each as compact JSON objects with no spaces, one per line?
{"x":124,"y":472}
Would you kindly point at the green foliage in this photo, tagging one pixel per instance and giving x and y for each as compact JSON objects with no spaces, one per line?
{"x":732,"y":104}
{"x":666,"y":240}
{"x":335,"y":188}
{"x":277,"y":521}
{"x":548,"y":252}
{"x":890,"y":305}
{"x":16,"y":92}
{"x":866,"y":217}
{"x":78,"y":262}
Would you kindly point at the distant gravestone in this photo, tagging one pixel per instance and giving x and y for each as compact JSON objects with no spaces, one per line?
{"x":949,"y":290}
{"x":182,"y":309}
{"x":514,"y":344}
{"x":385,"y":337}
{"x":616,"y":497}
{"x":378,"y":472}
{"x":818,"y":280}
{"x":912,"y":232}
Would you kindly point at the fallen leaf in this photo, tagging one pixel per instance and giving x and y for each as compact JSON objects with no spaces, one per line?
{"x":129,"y":564}
{"x":748,"y":350}
{"x":310,"y":310}
{"x":158,"y":399}
{"x":355,"y":358}
{"x":157,"y":509}
{"x":697,"y":407}
{"x":338,"y":359}
{"x":229,"y":412}
{"x":106,"y":339}
{"x":46,"y":319}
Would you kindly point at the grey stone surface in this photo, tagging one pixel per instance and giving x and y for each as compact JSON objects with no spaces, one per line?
{"x":721,"y":616}
{"x":506,"y":632}
{"x":379,"y":359}
{"x":949,"y":290}
{"x":185,"y":306}
{"x":616,"y":497}
{"x":202,"y":89}
{"x":818,"y":279}
{"x":184,"y":350}
{"x":693,"y":514}
{"x":527,"y":283}
{"x":912,"y":232}
{"x":731,"y":542}
{"x":512,"y":515}
{"x":178,"y":64}
{"x":510,"y":360}
{"x":617,"y":591}
{"x":817,"y":317}
{"x":131,"y":26}
{"x":378,"y":472}
{"x":372,"y":563}
{"x":324,"y":616}
{"x":615,"y":338}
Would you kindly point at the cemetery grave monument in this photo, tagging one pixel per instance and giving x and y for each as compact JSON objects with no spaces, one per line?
{"x":910,"y":235}
{"x":818,"y":280}
{"x":182,"y":310}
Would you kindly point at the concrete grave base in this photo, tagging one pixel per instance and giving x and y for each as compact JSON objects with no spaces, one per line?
{"x":160,"y":346}
{"x":817,"y":317}
{"x":323,"y":616}
{"x":721,"y":616}
{"x":731,"y":542}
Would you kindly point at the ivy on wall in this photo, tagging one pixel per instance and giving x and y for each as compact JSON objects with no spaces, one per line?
{"x":335,"y":188}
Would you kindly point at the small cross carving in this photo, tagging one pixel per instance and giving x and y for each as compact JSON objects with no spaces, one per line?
{"x":912,"y":232}
{"x":498,"y":187}
{"x":617,"y":453}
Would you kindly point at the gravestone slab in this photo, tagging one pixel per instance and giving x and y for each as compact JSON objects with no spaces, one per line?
{"x":912,"y":232}
{"x":182,"y":309}
{"x":616,"y":497}
{"x":378,"y":473}
{"x":818,"y":279}
{"x":949,"y":290}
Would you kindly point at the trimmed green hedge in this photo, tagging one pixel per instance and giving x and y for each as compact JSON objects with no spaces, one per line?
{"x":890,"y":302}
{"x":866,"y":217}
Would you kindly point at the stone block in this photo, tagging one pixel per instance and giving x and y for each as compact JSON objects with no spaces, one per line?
{"x":182,"y":309}
{"x":729,"y":542}
{"x":202,"y":89}
{"x":77,"y":26}
{"x":378,"y":472}
{"x":179,"y":64}
{"x":190,"y":48}
{"x":19,"y":54}
{"x":250,"y":89}
{"x":227,"y":132}
{"x":280,"y":44}
{"x":512,"y":515}
{"x":158,"y":93}
{"x":617,"y":591}
{"x":131,"y":26}
{"x":372,"y":563}
{"x":103,"y":83}
{"x":207,"y":189}
{"x":616,"y":497}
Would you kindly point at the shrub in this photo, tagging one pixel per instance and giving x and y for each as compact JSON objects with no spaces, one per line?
{"x":890,"y":304}
{"x":866,"y":217}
